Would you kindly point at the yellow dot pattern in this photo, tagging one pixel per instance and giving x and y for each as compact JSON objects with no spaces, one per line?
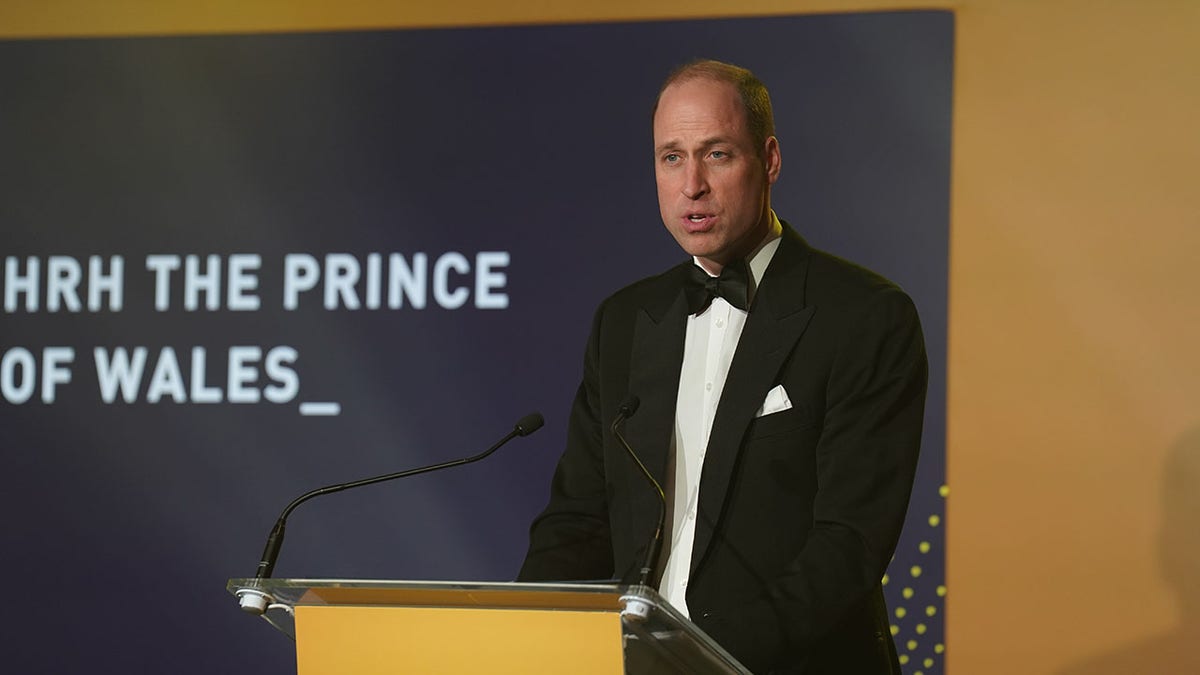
{"x":916,"y":603}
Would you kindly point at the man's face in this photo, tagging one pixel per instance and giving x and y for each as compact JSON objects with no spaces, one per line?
{"x":713,"y":182}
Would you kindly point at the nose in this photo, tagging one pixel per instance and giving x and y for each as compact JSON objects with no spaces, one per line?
{"x":695,"y":182}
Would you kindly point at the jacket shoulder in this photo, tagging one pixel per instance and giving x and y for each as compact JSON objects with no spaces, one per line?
{"x":652,"y":284}
{"x":834,"y":279}
{"x":653,"y":293}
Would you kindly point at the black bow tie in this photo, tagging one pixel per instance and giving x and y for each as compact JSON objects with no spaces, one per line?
{"x":733,"y":285}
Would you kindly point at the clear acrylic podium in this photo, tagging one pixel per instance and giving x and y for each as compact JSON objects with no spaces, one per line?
{"x":372,"y":627}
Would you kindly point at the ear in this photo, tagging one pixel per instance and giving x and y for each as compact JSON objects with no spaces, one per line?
{"x":773,"y":160}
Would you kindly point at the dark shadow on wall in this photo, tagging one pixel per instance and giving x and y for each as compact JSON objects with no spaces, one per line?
{"x":1176,"y":651}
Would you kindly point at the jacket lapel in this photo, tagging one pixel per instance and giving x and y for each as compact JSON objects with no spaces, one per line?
{"x":778,"y":317}
{"x":655,"y":361}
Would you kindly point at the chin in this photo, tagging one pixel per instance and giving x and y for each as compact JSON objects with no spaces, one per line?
{"x":696,"y":244}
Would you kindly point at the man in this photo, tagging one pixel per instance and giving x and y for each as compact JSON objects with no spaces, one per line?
{"x":783,"y":414}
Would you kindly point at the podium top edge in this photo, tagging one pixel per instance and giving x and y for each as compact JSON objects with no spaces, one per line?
{"x":577,"y":596}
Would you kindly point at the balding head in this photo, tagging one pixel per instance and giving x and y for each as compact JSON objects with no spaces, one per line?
{"x":756,"y":102}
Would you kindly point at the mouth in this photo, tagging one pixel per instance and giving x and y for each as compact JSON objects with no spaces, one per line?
{"x":698,"y":222}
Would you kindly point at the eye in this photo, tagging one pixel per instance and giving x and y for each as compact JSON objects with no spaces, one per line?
{"x":670,"y":158}
{"x":719,"y":154}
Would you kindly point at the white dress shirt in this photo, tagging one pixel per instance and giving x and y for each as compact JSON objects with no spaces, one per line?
{"x":712,"y":338}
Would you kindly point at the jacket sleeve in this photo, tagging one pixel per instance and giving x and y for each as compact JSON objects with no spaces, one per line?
{"x":571,"y":538}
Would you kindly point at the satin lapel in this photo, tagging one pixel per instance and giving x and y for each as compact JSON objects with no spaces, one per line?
{"x":655,"y":361}
{"x":777,"y":320}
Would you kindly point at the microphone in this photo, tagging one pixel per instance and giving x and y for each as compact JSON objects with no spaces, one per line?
{"x":255,"y":602}
{"x":624,"y":411}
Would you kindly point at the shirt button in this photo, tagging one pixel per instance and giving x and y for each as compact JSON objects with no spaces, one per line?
{"x":720,"y":323}
{"x":708,"y":386}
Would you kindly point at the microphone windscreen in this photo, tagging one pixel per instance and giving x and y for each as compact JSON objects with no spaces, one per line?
{"x":529,"y":424}
{"x":628,"y":406}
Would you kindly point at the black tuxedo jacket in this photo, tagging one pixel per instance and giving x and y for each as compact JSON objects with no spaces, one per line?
{"x":799,"y":510}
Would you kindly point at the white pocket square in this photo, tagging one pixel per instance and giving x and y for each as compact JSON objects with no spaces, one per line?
{"x":777,"y":401}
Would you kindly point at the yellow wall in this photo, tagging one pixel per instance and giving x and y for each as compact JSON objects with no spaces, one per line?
{"x":1074,"y":309}
{"x":1074,"y":334}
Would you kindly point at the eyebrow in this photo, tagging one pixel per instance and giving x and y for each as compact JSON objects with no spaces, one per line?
{"x":706,"y":143}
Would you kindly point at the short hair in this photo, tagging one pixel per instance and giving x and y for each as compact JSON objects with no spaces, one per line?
{"x":753,"y":93}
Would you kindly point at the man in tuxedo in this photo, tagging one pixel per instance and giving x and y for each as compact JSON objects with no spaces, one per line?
{"x":781,"y":396}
